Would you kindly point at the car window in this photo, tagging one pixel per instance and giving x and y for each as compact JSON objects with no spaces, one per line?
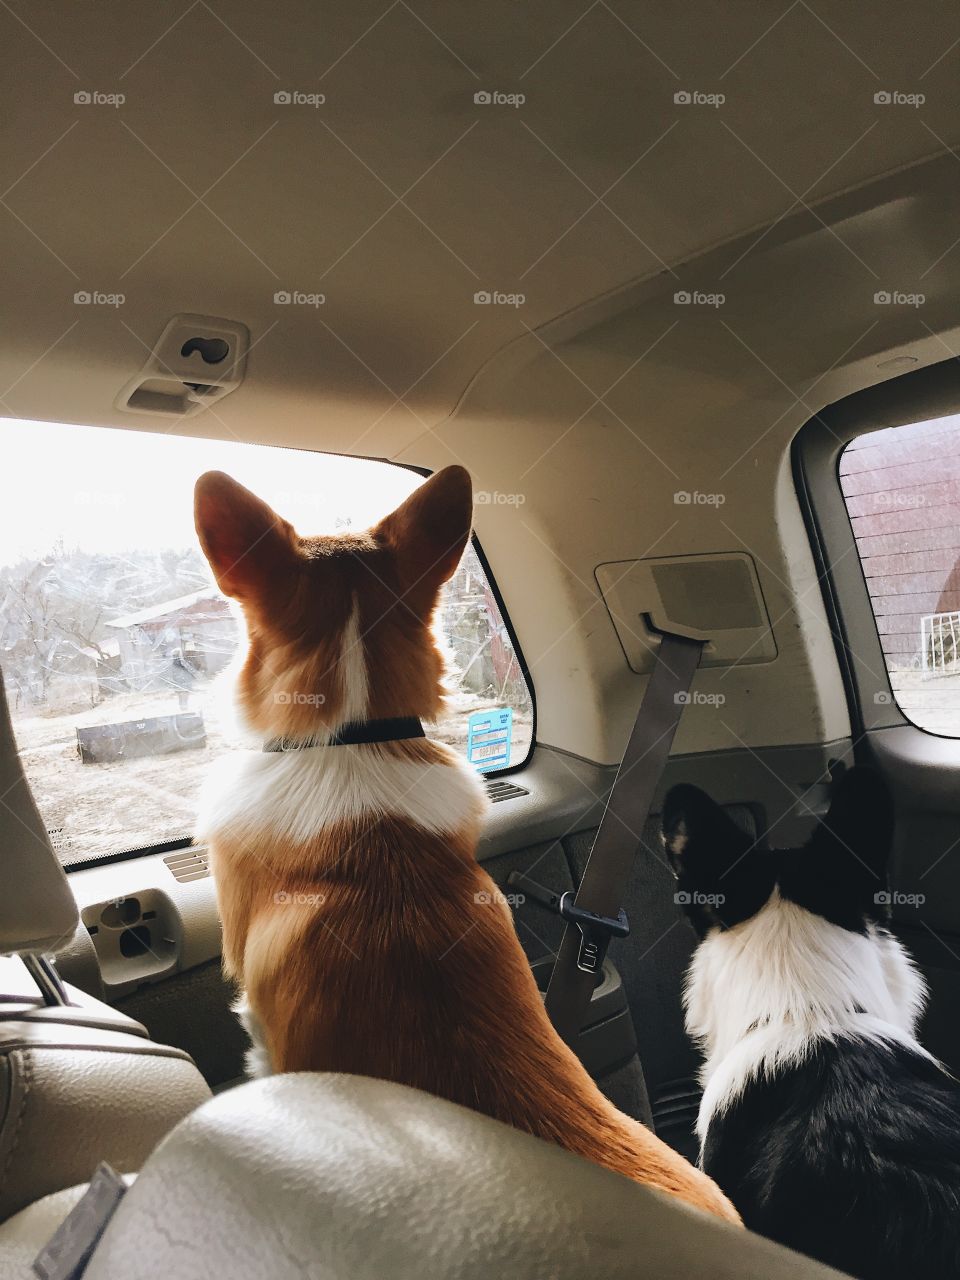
{"x":901,"y":486}
{"x":113,"y":634}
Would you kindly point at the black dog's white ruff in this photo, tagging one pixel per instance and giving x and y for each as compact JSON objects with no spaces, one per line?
{"x":824,"y":1120}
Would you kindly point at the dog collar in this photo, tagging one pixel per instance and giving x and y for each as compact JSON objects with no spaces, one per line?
{"x":359,"y":731}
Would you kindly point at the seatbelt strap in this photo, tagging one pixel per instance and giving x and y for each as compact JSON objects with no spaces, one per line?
{"x":595,"y":916}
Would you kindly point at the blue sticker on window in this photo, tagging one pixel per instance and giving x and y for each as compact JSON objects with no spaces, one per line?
{"x":488,"y":739}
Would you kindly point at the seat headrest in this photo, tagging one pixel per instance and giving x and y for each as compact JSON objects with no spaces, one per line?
{"x":38,"y":912}
{"x":354,"y":1179}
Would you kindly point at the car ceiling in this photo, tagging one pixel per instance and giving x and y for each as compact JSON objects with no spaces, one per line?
{"x":798,"y":198}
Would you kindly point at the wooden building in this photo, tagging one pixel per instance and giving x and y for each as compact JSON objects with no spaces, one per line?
{"x":169,"y":644}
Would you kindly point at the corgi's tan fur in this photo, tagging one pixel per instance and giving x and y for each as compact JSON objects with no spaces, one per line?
{"x":364,"y":933}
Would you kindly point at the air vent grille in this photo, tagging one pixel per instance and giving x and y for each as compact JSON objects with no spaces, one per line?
{"x":188,"y":864}
{"x":499,"y":790}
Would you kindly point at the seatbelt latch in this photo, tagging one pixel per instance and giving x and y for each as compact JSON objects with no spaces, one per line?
{"x":595,"y":932}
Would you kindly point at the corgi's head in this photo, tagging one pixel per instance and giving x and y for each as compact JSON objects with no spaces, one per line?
{"x":339,"y":628}
{"x":793,"y":944}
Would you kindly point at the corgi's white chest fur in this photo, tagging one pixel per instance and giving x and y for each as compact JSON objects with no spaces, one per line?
{"x":757,"y":996}
{"x":296,"y":795}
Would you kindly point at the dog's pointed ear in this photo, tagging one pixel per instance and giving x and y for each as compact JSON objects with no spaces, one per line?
{"x":247,"y":544}
{"x":850,"y":849}
{"x":429,"y":531}
{"x":698,"y":835}
{"x":722,"y":878}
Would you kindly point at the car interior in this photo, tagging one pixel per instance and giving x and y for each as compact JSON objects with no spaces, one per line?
{"x":679,"y":290}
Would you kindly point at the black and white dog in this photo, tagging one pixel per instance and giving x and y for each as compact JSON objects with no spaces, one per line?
{"x":822,"y":1118}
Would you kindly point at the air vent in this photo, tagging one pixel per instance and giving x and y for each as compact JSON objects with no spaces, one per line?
{"x":188,"y":864}
{"x":498,"y":790}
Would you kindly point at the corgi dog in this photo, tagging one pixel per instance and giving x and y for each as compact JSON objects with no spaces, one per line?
{"x":825,"y":1121}
{"x":362,"y":930}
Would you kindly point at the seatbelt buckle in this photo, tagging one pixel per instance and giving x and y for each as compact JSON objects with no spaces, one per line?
{"x":595,"y":932}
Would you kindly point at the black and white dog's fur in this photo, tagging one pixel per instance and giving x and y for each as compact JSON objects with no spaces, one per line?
{"x":822,"y":1118}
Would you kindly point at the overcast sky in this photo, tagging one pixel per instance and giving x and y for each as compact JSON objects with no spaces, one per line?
{"x":104,"y":489}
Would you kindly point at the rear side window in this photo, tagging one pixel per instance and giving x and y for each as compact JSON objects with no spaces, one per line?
{"x":113,"y":634}
{"x":901,"y":486}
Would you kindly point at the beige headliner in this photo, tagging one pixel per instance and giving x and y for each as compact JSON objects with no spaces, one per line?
{"x":400,"y":197}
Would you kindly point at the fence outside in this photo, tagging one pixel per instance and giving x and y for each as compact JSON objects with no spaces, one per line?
{"x":940,"y":644}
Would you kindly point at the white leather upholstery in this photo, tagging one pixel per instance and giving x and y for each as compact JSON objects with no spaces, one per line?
{"x":70,"y":1098}
{"x":79,"y":1083}
{"x":37,"y":910}
{"x":348,"y":1178}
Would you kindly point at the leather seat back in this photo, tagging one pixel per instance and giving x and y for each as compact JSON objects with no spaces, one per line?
{"x":352,"y":1178}
{"x":79,"y":1083}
